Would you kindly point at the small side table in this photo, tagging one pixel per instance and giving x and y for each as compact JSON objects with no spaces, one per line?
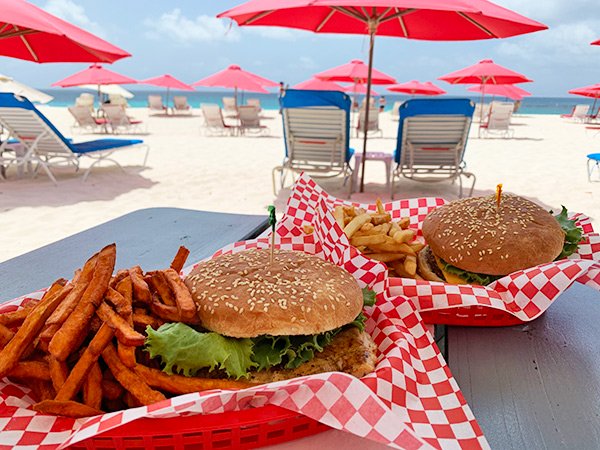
{"x":386,"y":158}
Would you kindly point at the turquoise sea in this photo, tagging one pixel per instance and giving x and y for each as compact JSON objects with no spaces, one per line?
{"x":530,"y":105}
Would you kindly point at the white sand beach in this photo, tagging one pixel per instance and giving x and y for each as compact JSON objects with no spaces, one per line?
{"x":545,"y":161}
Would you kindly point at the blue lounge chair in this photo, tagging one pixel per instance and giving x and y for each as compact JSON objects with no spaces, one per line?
{"x":316,"y":127}
{"x":43,"y":145}
{"x":432,"y":137}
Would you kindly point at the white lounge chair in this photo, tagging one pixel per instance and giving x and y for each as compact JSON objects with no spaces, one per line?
{"x":498,"y":121}
{"x":580,"y":113}
{"x":229,"y":105}
{"x":373,"y":125}
{"x":395,"y":110}
{"x":316,"y":129}
{"x":45,"y":147}
{"x":180,"y":105}
{"x":155,"y":105}
{"x":250,"y":121}
{"x":254,"y":102}
{"x":85,"y":120}
{"x":214,"y":124}
{"x":118,"y":99}
{"x":119,"y":121}
{"x":85,"y":99}
{"x":431,"y":142}
{"x":477,"y":114}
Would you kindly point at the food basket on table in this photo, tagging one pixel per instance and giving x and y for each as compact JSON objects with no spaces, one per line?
{"x":517,"y":298}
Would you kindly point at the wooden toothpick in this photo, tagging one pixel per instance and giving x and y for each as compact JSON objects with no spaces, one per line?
{"x":272,"y":222}
{"x":498,"y":195}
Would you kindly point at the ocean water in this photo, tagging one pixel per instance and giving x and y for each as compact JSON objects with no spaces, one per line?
{"x":530,"y":105}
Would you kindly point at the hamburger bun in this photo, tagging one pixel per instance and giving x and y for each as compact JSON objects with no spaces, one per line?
{"x":243,"y":295}
{"x":475,"y":235}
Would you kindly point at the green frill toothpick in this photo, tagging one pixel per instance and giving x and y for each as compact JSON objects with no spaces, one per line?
{"x":272,"y":222}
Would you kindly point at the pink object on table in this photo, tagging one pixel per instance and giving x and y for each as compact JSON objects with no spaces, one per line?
{"x":235,"y":77}
{"x":503,"y":90}
{"x":95,"y":74}
{"x":30,"y":33}
{"x":417,"y":88}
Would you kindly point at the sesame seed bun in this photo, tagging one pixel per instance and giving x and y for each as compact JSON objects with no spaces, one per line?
{"x":243,"y":295}
{"x":475,"y":235}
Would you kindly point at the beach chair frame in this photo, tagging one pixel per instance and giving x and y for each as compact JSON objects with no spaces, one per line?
{"x":119,"y":121}
{"x":498,"y":120}
{"x":249,"y":121}
{"x":181,"y":105}
{"x":45,"y":147}
{"x":214,"y":123}
{"x":86,"y":121}
{"x":372,"y":126}
{"x":316,"y":126}
{"x":431,"y":142}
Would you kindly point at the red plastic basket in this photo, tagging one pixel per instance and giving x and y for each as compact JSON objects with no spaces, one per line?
{"x":249,"y":428}
{"x":470,"y":316}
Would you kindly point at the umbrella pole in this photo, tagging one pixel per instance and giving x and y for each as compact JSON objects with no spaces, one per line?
{"x":99,"y":102}
{"x":167,"y":102}
{"x":481,"y":110}
{"x":594,"y":105}
{"x":372,"y":30}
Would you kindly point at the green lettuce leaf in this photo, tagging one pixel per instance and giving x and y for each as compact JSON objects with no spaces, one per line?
{"x":368,"y":297}
{"x":470,"y":277}
{"x":573,"y":234}
{"x":185,"y":350}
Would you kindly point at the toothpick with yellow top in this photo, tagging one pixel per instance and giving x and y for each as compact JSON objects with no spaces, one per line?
{"x":498,"y":195}
{"x":272,"y":222}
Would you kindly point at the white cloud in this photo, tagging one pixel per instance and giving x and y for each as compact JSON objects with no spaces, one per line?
{"x":72,"y":12}
{"x":203,"y":28}
{"x":276,"y":33}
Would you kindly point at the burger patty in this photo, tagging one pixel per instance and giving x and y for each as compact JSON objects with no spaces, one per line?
{"x":432,"y":262}
{"x":351,"y":351}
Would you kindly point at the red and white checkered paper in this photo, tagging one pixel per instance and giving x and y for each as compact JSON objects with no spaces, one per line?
{"x":411,"y":400}
{"x":516,"y":298}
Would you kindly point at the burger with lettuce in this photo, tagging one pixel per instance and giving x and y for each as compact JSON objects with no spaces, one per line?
{"x":478,"y":240}
{"x":266,"y":320}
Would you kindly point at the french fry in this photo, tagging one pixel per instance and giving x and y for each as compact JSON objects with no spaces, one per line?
{"x":92,"y":387}
{"x":121,"y":274}
{"x":349,"y":211}
{"x":356,"y":224}
{"x":308,"y":229}
{"x":126,"y":352}
{"x":386,"y":257}
{"x":178,"y":384}
{"x":130,"y":380}
{"x":5,"y":335}
{"x":367,"y":240}
{"x":65,"y":408}
{"x":183,"y":297}
{"x":410,"y":265}
{"x":379,"y":219}
{"x":122,"y":306}
{"x":417,"y":246}
{"x":88,"y":358}
{"x":124,"y":332}
{"x":41,"y":389}
{"x":366,"y":227}
{"x":402,"y":236}
{"x":158,"y":282}
{"x":404,"y":222}
{"x":398,"y":266}
{"x":141,"y":291}
{"x":380,"y":208}
{"x":27,"y":333}
{"x":36,"y":370}
{"x":393,"y":248}
{"x":59,"y":372}
{"x":338,"y":214}
{"x":142,"y":320}
{"x":165,"y":312}
{"x":111,"y":389}
{"x":180,"y":259}
{"x":15,"y":318}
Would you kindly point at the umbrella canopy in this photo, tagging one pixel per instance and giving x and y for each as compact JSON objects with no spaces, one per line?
{"x":416,"y":88}
{"x":168,"y":82}
{"x":95,"y":74}
{"x":596,"y":42}
{"x":425,"y":19}
{"x":592,"y":91}
{"x":7,"y":84}
{"x":485,"y":72}
{"x":30,"y":33}
{"x":234,"y":77}
{"x":356,"y":72}
{"x":109,"y":89}
{"x":503,"y":90}
{"x":359,"y":89}
{"x":319,"y":85}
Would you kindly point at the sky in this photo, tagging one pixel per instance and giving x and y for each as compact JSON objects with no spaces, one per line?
{"x":185,"y":39}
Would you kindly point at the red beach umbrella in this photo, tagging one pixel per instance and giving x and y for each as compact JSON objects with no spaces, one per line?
{"x":416,"y":88}
{"x":592,"y":91}
{"x":319,"y":85}
{"x":168,"y":82}
{"x":356,"y":72}
{"x":503,"y":90}
{"x":30,"y":33}
{"x":234,"y":77}
{"x":596,"y":42}
{"x":359,"y":89}
{"x":437,"y":20}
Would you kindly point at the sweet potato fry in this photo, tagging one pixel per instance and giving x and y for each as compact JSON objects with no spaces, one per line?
{"x":180,"y":259}
{"x":178,"y":384}
{"x":130,"y":380}
{"x":160,"y":285}
{"x":27,"y":333}
{"x":142,"y":320}
{"x":70,"y":335}
{"x":117,"y":300}
{"x":165,"y":312}
{"x":92,"y":387}
{"x":121,"y":274}
{"x":183,"y":297}
{"x":124,"y":332}
{"x":36,"y":370}
{"x":65,"y":408}
{"x":15,"y":318}
{"x":111,"y":389}
{"x":59,"y":372}
{"x":88,"y":358}
{"x":41,"y":390}
{"x":126,"y":352}
{"x":141,"y":291}
{"x":5,"y":335}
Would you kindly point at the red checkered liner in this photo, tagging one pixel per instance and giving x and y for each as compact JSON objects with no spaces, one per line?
{"x":516,"y":298}
{"x":411,"y":401}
